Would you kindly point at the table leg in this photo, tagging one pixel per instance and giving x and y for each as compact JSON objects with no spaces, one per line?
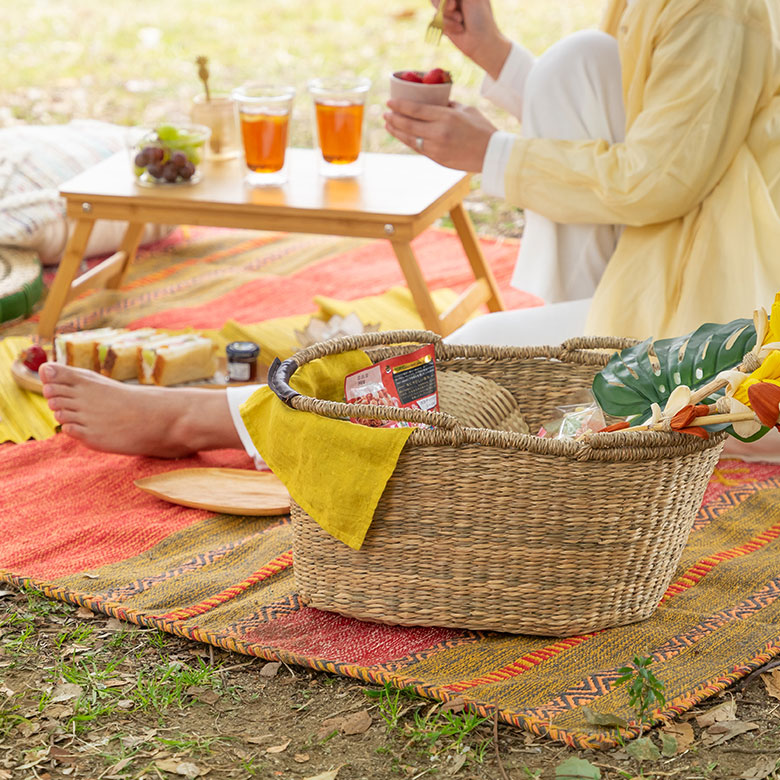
{"x":69,"y":265}
{"x":479,"y":266}
{"x":417,"y":286}
{"x":129,"y":246}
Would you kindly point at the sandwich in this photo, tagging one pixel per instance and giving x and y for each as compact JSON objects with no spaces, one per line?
{"x":117,"y":357}
{"x":80,"y":349}
{"x":173,"y":360}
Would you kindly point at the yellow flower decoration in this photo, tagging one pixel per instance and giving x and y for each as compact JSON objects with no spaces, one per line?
{"x":767,"y":347}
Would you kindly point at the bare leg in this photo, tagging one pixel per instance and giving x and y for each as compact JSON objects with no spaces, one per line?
{"x":135,"y":419}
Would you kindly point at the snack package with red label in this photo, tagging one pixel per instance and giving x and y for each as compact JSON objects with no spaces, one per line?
{"x":405,"y":382}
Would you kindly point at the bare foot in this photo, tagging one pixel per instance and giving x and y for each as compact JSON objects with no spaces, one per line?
{"x":137,"y":419}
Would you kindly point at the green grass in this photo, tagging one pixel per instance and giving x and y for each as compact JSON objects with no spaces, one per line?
{"x":133,"y":63}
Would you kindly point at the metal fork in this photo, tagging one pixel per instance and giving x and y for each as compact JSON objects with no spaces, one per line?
{"x":433,"y":30}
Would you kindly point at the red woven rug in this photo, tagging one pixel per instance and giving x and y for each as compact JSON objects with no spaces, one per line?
{"x":74,"y":526}
{"x":81,"y":532}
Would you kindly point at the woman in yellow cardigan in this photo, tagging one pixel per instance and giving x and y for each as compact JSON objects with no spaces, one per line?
{"x":689,"y":186}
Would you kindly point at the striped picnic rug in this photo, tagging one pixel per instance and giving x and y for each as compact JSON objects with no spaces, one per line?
{"x":85,"y":534}
{"x":74,"y":525}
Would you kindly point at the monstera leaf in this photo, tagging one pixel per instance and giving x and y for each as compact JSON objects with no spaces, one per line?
{"x":648,"y":372}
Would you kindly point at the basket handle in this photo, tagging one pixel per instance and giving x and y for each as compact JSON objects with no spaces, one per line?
{"x":280,"y":373}
{"x":597,"y":342}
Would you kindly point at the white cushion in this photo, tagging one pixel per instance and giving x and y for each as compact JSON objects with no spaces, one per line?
{"x":34,"y":161}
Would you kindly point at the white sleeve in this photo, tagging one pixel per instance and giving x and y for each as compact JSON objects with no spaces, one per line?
{"x":236,"y":396}
{"x":495,"y":163}
{"x":507,"y":91}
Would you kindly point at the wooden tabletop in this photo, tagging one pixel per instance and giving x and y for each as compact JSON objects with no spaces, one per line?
{"x":391,"y":186}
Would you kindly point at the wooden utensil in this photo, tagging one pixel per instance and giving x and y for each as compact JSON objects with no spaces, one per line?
{"x":228,"y":491}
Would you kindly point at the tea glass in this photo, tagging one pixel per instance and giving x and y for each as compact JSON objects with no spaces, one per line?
{"x":218,"y":112}
{"x":339,"y":108}
{"x":264,"y":116}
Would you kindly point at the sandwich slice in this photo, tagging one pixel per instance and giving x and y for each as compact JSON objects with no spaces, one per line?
{"x":173,"y":360}
{"x":80,"y":349}
{"x":118,"y":356}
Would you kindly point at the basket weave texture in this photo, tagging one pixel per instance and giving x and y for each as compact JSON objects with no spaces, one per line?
{"x":489,"y":529}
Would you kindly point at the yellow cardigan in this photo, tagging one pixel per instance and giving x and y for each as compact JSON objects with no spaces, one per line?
{"x":697,"y":180}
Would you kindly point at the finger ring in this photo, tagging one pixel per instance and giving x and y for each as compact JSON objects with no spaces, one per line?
{"x":418,"y":142}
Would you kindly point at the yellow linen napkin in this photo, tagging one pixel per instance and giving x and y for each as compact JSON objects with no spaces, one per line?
{"x":334,"y":469}
{"x":23,"y":415}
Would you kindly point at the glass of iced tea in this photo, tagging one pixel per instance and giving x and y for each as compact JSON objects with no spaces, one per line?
{"x":264,"y":116}
{"x":338,"y":113}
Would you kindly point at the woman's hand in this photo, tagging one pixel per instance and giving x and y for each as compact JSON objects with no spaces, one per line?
{"x":470,"y":25}
{"x":455,"y":136}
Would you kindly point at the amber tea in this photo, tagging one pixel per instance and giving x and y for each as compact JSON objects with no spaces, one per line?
{"x":264,"y":116}
{"x":265,"y":141}
{"x":339,"y":129}
{"x":338,"y":114}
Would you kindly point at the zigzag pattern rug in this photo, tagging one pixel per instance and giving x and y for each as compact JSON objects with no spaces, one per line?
{"x":91,"y":538}
{"x":74,"y":525}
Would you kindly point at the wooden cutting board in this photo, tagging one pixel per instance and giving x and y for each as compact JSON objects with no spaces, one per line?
{"x":228,"y":491}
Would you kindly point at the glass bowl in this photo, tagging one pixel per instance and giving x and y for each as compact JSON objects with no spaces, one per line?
{"x":170,"y":154}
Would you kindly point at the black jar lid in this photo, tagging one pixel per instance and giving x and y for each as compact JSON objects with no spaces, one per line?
{"x":242,"y":350}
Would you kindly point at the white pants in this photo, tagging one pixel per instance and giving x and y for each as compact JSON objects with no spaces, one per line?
{"x":573,"y":92}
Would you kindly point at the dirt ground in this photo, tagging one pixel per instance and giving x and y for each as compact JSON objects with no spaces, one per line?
{"x":84,"y":696}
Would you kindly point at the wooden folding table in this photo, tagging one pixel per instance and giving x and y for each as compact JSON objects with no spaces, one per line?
{"x":396,"y":197}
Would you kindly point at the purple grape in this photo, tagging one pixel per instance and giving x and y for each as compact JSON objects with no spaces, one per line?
{"x":154,"y":154}
{"x":187,"y":171}
{"x":155,"y":171}
{"x":170,"y":172}
{"x":179,"y":159}
{"x":141,"y":159}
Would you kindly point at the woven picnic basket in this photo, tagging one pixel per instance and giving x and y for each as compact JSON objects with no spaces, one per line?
{"x":485,"y":528}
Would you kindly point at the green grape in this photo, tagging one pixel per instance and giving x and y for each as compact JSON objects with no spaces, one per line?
{"x":167,"y":132}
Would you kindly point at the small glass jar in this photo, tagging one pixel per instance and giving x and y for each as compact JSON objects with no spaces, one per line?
{"x":242,"y":361}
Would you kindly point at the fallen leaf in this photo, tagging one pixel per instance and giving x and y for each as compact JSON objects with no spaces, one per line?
{"x":764,"y":767}
{"x":125,"y":704}
{"x":577,"y":769}
{"x":725,"y":711}
{"x":458,"y":763}
{"x":278,"y":748}
{"x":725,"y":730}
{"x":205,"y":695}
{"x":603,"y":718}
{"x":61,"y":755}
{"x":643,"y":749}
{"x":270,"y":669}
{"x":669,"y":746}
{"x":301,"y":758}
{"x":4,"y":593}
{"x":771,"y":682}
{"x":176,"y":767}
{"x":65,"y":691}
{"x":83,"y":612}
{"x":258,"y":740}
{"x":91,"y":576}
{"x":455,"y":705}
{"x":112,"y":624}
{"x":355,"y":723}
{"x":682,"y":733}
{"x":120,"y":765}
{"x":329,"y":775}
{"x":57,"y":711}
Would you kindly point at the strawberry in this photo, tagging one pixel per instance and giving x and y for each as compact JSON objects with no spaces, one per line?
{"x":410,"y":75}
{"x":436,"y":76}
{"x":34,"y":357}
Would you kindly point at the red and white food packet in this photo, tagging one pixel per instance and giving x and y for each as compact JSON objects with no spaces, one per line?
{"x":405,"y":382}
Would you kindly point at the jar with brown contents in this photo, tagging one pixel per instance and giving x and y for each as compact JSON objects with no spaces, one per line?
{"x":242,"y":361}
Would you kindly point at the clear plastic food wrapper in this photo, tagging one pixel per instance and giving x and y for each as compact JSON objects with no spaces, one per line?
{"x":579,"y":416}
{"x":404,"y":382}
